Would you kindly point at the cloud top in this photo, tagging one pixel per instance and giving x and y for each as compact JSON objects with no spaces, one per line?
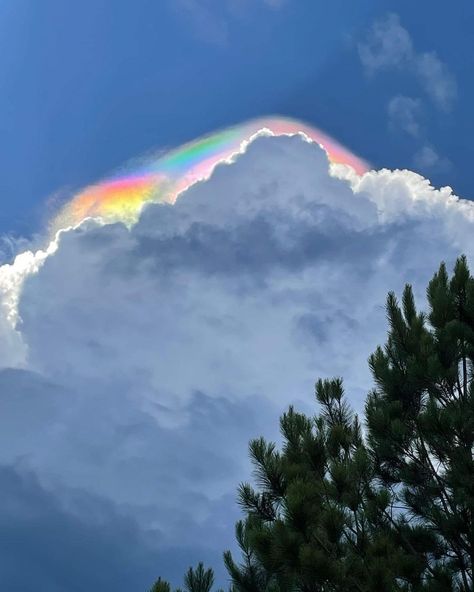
{"x":161,"y":178}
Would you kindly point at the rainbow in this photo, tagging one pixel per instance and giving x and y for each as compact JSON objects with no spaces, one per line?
{"x":120,"y":197}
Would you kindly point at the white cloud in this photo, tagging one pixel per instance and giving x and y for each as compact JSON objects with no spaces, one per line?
{"x":211,"y":20}
{"x":404,"y":113}
{"x":427,"y":160}
{"x":390,"y":46}
{"x":152,"y":355}
{"x":436,"y":79}
{"x":208,"y":25}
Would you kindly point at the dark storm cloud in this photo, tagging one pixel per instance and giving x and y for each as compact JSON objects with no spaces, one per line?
{"x":47,"y":546}
{"x":67,"y":539}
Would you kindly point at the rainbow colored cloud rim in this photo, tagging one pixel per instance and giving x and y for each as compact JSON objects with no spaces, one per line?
{"x":120,"y":198}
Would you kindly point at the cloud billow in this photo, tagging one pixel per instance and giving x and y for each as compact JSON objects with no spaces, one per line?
{"x":154,"y":354}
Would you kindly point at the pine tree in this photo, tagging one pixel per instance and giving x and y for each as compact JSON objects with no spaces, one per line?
{"x":249,"y":575}
{"x":196,"y":579}
{"x":199,"y":579}
{"x":318,"y":520}
{"x":420,"y":420}
{"x":161,"y":586}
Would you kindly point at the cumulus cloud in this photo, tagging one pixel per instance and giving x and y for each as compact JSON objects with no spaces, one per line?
{"x":146,"y":358}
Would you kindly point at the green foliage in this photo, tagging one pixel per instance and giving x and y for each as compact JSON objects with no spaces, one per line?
{"x":317,"y":519}
{"x":195,"y":580}
{"x":199,"y":579}
{"x":161,"y":586}
{"x":421,"y":420}
{"x":387,"y":509}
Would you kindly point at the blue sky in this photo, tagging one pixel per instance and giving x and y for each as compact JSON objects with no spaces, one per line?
{"x":88,"y":85}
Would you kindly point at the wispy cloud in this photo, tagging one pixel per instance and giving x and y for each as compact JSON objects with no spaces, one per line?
{"x":404,"y":113}
{"x":390,"y":46}
{"x":210,"y":20}
{"x":437,"y":80}
{"x":206,"y":23}
{"x":427,"y":160}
